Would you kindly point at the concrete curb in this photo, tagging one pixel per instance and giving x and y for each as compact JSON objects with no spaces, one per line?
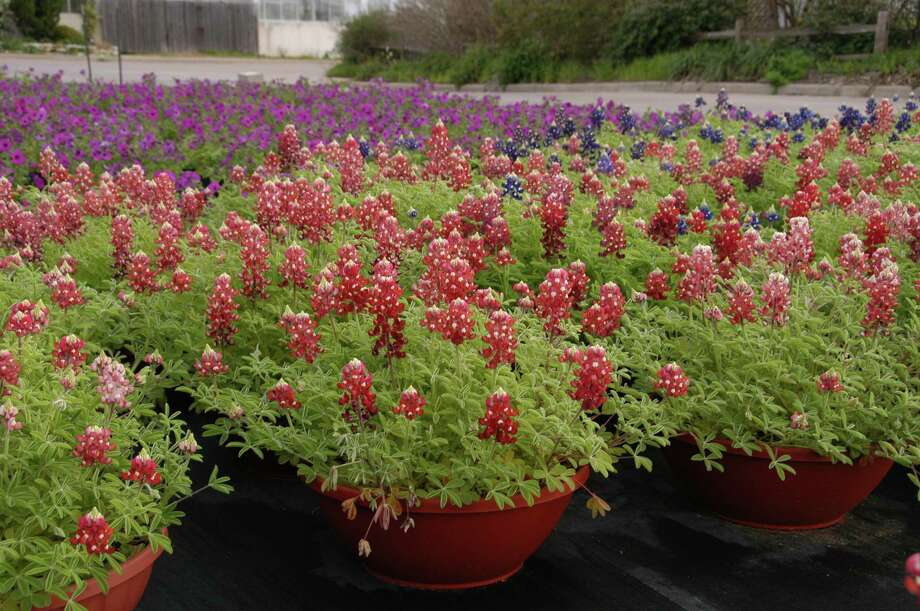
{"x":730,"y":87}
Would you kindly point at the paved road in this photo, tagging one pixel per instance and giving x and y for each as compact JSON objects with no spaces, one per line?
{"x":289,"y":70}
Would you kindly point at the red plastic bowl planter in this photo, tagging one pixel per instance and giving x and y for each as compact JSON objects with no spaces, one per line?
{"x":748,"y":492}
{"x":125,"y":590}
{"x":451,"y":547}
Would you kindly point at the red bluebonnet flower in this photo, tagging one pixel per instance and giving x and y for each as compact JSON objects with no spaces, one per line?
{"x":829,"y":381}
{"x":180,"y":281}
{"x":8,"y":412}
{"x":143,"y":470}
{"x":411,"y":404}
{"x":386,"y":306}
{"x":603,"y":317}
{"x":592,"y":377}
{"x":294,"y":269}
{"x":578,"y":280}
{"x":876,"y":231}
{"x":122,"y":243}
{"x":141,"y":276}
{"x":27,"y":318}
{"x":554,"y":213}
{"x":798,"y":421}
{"x":672,"y":380}
{"x":93,"y":445}
{"x":657,"y":284}
{"x":93,"y":533}
{"x":774,"y":294}
{"x":794,"y":250}
{"x":500,"y":338}
{"x":882,"y":287}
{"x":351,"y":167}
{"x":741,"y":303}
{"x":455,"y":324}
{"x":211,"y":363}
{"x":254,"y":257}
{"x":114,"y":385}
{"x":352,"y":288}
{"x":283,"y":394}
{"x":499,"y":419}
{"x":303,"y":340}
{"x":699,"y":280}
{"x":357,"y":397}
{"x":67,"y":352}
{"x":9,"y":371}
{"x":65,"y":293}
{"x":554,"y":300}
{"x":222,"y":311}
{"x":613,"y":240}
{"x":323,"y":299}
{"x":168,"y":253}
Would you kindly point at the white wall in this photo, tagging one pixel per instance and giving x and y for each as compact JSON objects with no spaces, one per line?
{"x":293,"y":38}
{"x":73,"y":20}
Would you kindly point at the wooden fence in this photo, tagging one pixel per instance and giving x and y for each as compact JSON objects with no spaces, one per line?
{"x":879,"y":28}
{"x":177,"y":26}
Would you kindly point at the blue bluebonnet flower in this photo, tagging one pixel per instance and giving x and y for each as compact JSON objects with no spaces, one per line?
{"x":589,"y":145}
{"x":871,"y":105}
{"x":682,"y":226}
{"x":667,"y":166}
{"x":772,"y":216}
{"x":722,"y":99}
{"x":752,"y":144}
{"x":553,"y":132}
{"x":798,"y":137}
{"x":513,"y":187}
{"x":413,"y":213}
{"x":713,"y":161}
{"x":364,"y":147}
{"x":597,"y":117}
{"x":554,"y":158}
{"x":604,"y":164}
{"x":638,"y":150}
{"x":699,"y":102}
{"x":410,"y":143}
{"x":754,"y":222}
{"x":903,"y":123}
{"x":707,"y":212}
{"x":569,"y":127}
{"x":910,"y":106}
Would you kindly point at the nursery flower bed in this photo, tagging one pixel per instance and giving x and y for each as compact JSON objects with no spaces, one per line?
{"x":462,"y":330}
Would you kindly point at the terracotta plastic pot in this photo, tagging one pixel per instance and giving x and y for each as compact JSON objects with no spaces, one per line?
{"x":748,"y":492}
{"x":125,"y":590}
{"x":453,"y":547}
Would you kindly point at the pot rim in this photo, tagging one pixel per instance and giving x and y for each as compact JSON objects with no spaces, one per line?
{"x":131,"y":567}
{"x":344,"y":492}
{"x":797,"y":454}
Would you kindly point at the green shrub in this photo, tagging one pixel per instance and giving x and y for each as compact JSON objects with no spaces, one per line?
{"x":788,"y":66}
{"x":570,"y":30}
{"x":37,"y":18}
{"x":472,"y":66}
{"x":364,"y":36}
{"x":68,"y":35}
{"x":525,"y":63}
{"x":647,"y":27}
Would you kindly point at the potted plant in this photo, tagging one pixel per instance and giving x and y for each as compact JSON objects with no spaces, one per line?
{"x":90,"y":472}
{"x":445,"y":440}
{"x":785,"y":392}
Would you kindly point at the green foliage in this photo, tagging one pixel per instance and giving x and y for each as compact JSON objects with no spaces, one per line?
{"x":523,"y":63}
{"x":572,"y":30}
{"x":364,"y":36}
{"x":659,"y":26}
{"x":67,"y":35}
{"x":37,"y":18}
{"x":43,"y":487}
{"x":792,"y":65}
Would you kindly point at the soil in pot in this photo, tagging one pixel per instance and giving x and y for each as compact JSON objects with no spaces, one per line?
{"x":748,"y":492}
{"x":451,"y":547}
{"x":125,"y":590}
